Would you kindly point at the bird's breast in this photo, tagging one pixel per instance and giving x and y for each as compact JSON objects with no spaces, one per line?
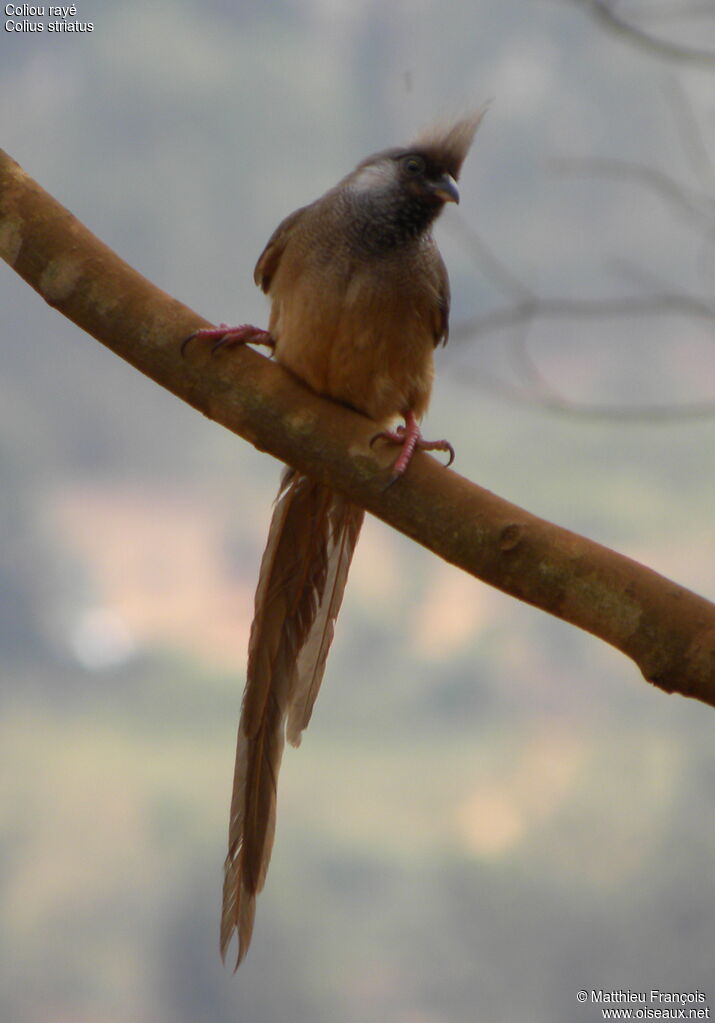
{"x":363,"y":336}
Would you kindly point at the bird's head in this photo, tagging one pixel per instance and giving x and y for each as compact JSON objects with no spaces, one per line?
{"x":427,"y":179}
{"x":412,"y":184}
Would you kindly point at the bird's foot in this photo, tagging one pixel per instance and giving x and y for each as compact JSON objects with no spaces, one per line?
{"x":410,"y":439}
{"x":224,"y":336}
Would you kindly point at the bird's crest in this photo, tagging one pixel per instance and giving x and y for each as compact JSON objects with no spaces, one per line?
{"x":447,"y":143}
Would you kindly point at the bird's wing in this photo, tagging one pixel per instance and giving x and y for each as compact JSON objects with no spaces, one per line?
{"x":441,"y":313}
{"x":270,"y":257}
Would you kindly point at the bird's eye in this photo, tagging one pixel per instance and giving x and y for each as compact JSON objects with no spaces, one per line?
{"x":413,"y":165}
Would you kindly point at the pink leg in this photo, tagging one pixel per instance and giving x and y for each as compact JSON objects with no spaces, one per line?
{"x":410,"y":438}
{"x":224,"y":336}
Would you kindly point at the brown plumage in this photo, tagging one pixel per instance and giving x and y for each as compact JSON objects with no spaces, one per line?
{"x":359,"y":301}
{"x":303,"y":572}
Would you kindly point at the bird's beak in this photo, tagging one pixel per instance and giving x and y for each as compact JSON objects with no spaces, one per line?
{"x":445,"y":188}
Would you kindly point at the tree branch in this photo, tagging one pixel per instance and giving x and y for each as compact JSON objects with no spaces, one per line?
{"x":667,"y":630}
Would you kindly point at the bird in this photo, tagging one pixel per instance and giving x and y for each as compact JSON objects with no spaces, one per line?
{"x":359,"y":299}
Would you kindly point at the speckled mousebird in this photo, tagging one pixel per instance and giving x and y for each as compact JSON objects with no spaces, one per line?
{"x":359,"y":301}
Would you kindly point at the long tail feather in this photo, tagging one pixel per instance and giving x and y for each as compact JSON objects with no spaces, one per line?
{"x":304,"y":569}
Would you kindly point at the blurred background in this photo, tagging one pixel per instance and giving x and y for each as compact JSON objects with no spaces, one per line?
{"x":490,"y":810}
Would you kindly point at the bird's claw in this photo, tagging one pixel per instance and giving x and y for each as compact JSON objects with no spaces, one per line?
{"x":438,"y":445}
{"x":410,"y":439}
{"x":395,"y":436}
{"x":224,"y":336}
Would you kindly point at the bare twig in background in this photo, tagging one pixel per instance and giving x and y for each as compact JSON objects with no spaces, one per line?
{"x":669,"y":10}
{"x":608,"y":14}
{"x":693,"y":206}
{"x":520,"y":312}
{"x":549,"y":399}
{"x":525,"y":306}
{"x":691,"y":134}
{"x":538,"y":391}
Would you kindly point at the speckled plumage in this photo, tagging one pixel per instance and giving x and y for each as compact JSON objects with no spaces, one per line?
{"x":359,"y":292}
{"x":359,"y":300}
